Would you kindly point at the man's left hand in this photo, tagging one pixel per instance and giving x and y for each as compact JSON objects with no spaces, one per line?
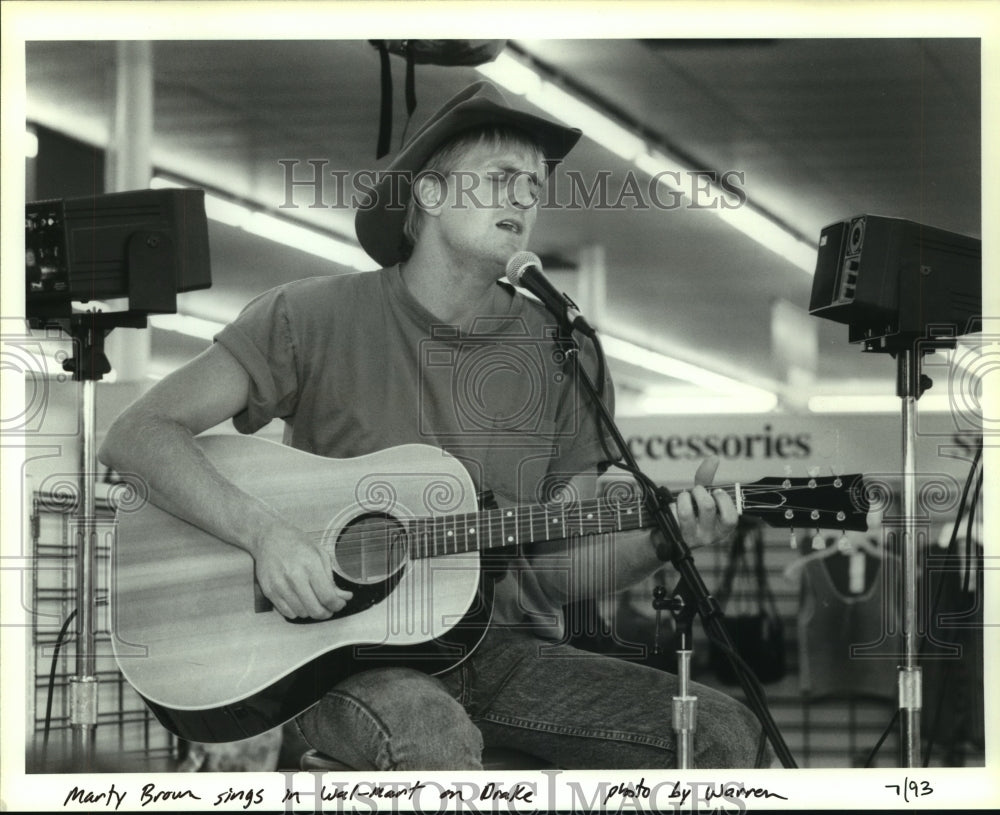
{"x":705,"y":515}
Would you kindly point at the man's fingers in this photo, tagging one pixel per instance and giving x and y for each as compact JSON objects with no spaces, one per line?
{"x":286,"y":600}
{"x":727,"y":509}
{"x":704,"y":503}
{"x":304,"y":587}
{"x":282,"y":607}
{"x":704,"y":516}
{"x":297,"y":576}
{"x":685,"y":514}
{"x":329,"y":593}
{"x":695,"y":505}
{"x":310,"y":603}
{"x":706,"y":471}
{"x":296,"y":589}
{"x":318,"y":596}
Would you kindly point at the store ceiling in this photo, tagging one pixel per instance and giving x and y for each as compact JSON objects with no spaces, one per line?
{"x":821,"y":130}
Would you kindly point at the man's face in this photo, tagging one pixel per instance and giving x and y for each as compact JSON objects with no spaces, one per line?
{"x":491,"y":205}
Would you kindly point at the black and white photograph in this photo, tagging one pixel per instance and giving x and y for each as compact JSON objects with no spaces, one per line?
{"x":407,"y":407}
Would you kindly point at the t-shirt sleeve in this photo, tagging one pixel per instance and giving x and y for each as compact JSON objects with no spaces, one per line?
{"x":263,"y":342}
{"x":580,"y":447}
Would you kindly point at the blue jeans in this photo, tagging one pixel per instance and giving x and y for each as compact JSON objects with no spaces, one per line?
{"x":574,"y":709}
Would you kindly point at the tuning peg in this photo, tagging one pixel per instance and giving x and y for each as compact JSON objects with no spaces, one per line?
{"x":817,"y":541}
{"x":837,"y":482}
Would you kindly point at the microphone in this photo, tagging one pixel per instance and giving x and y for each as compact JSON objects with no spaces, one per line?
{"x":524,"y":269}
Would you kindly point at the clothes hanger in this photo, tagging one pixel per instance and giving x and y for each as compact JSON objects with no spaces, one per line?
{"x":845,"y":545}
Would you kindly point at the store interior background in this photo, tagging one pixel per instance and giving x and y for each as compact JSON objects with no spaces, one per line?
{"x":707,"y":326}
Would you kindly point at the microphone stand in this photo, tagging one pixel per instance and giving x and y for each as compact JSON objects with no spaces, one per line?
{"x":673,"y":548}
{"x":685,"y":704}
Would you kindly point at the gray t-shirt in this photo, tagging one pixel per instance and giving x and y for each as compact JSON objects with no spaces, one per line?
{"x":354,"y":364}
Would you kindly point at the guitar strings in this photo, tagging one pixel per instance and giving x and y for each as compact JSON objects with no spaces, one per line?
{"x":430,"y":533}
{"x":422,"y":536}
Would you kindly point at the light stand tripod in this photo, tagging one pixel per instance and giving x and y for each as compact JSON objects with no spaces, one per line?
{"x":910,"y":384}
{"x":893,"y":282}
{"x":909,"y":349}
{"x":88,"y":366}
{"x":146,"y":245}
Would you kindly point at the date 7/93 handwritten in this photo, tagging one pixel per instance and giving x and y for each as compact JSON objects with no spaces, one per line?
{"x":911,"y":788}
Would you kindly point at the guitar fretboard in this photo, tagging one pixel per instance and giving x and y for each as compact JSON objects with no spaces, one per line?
{"x":513,"y":526}
{"x":835,"y":502}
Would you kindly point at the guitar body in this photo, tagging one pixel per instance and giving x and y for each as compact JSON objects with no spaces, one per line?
{"x":194,"y":635}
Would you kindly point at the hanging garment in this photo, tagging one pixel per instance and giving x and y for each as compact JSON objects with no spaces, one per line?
{"x":751,"y":615}
{"x":953,"y":716}
{"x":849,"y":641}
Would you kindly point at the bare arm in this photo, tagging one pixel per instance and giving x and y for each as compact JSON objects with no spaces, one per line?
{"x":154,"y":438}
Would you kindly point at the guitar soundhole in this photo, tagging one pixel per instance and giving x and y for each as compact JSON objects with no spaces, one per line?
{"x":370,"y":548}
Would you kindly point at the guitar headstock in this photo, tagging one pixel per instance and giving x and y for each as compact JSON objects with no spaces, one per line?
{"x":830,"y":502}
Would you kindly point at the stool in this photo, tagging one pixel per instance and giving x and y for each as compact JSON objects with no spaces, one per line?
{"x":494,"y":758}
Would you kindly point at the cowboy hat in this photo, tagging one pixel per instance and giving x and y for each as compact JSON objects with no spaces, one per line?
{"x":379,"y":221}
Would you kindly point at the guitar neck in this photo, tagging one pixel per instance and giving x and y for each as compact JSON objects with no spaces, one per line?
{"x":516,"y":525}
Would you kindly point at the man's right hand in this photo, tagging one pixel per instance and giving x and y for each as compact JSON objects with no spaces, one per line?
{"x":154,"y":438}
{"x":297,"y":576}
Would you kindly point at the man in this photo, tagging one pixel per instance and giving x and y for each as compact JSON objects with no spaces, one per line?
{"x":431,"y":349}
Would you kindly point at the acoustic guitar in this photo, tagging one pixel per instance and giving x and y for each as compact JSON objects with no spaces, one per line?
{"x":195,"y":636}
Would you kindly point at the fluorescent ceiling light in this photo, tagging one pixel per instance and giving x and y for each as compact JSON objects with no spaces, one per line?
{"x":522,"y":80}
{"x":598,"y":126}
{"x":595,"y":125}
{"x":63,"y":119}
{"x":280,"y":230}
{"x":225,"y":212}
{"x":725,"y":394}
{"x":846,"y":403}
{"x":652,"y":404}
{"x":515,"y":76}
{"x":309,"y":240}
{"x":186,"y":324}
{"x":633,"y":354}
{"x":770,"y":235}
{"x":667,"y":171}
